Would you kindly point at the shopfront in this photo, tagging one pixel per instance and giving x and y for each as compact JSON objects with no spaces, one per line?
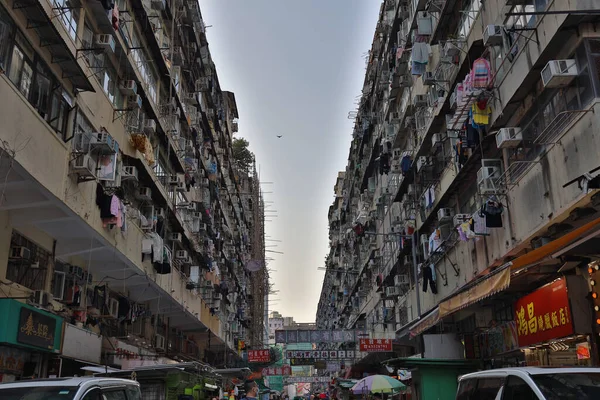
{"x":80,"y":348}
{"x":554,"y":324}
{"x":30,"y":338}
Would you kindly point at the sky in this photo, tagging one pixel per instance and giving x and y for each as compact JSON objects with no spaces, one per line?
{"x":296,"y":68}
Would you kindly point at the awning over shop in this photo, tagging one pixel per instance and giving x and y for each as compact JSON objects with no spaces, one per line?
{"x":425,"y":323}
{"x":556,"y":245}
{"x":487,"y":286}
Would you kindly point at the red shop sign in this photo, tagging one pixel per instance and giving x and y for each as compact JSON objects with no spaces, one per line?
{"x":283,"y":370}
{"x":375,"y":345}
{"x":544,"y":314}
{"x":259,"y":356}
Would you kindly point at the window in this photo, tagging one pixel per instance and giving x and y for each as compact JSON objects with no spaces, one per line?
{"x":21,"y":65}
{"x":92,"y":395}
{"x":27,"y":270}
{"x":114,"y":395}
{"x":68,"y":16}
{"x":573,"y":386}
{"x":466,"y":388}
{"x":6,"y":28}
{"x":518,"y":389}
{"x":487,"y":388}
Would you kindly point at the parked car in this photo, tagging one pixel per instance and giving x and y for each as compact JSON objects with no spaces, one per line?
{"x":530,"y":383}
{"x":85,"y":388}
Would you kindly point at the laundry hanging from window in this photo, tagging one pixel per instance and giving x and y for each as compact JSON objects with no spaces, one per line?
{"x":429,"y":278}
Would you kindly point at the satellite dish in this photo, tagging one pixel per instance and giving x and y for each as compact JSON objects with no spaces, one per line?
{"x":254,"y":265}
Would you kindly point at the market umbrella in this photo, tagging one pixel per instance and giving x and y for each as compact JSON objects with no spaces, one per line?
{"x":377,"y":384}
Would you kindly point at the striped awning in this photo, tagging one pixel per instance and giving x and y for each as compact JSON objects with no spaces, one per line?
{"x":490,"y":285}
{"x":425,"y":323}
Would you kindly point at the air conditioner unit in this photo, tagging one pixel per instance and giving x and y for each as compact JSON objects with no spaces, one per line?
{"x":401,"y":280}
{"x":129,"y":172}
{"x":103,"y":142}
{"x":84,"y":166}
{"x":509,"y":137}
{"x":174,"y":180}
{"x":181,"y":254}
{"x":144,"y":193}
{"x":492,"y":35}
{"x":135,"y":101}
{"x":420,"y":100}
{"x":437,"y":139}
{"x":428,"y":78}
{"x":397,"y":154}
{"x":42,"y":298}
{"x":409,"y":122}
{"x":404,"y":13}
{"x":160,"y":213}
{"x":392,"y":291}
{"x":20,"y":252}
{"x":128,"y":87}
{"x":395,"y":117}
{"x":559,"y":73}
{"x":445,"y":214}
{"x":159,"y":342}
{"x":450,"y":49}
{"x":192,"y":99}
{"x":105,"y":42}
{"x":452,"y":100}
{"x":460,"y":219}
{"x":176,"y":237}
{"x":396,"y":167}
{"x":422,"y":162}
{"x":150,"y":126}
{"x":488,"y":176}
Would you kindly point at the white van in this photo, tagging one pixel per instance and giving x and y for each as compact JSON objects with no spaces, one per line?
{"x":530,"y":383}
{"x":85,"y":388}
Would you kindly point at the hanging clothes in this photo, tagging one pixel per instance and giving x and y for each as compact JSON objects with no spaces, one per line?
{"x":481,"y":116}
{"x":115,"y":17}
{"x":493,"y":214}
{"x":420,"y":53}
{"x":399,"y":52}
{"x":418,"y":68}
{"x":428,"y":279}
{"x":405,"y":164}
{"x":472,"y":135}
{"x":481,"y":73}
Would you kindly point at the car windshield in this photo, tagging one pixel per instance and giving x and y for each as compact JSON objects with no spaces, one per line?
{"x":569,"y":386}
{"x":38,"y":393}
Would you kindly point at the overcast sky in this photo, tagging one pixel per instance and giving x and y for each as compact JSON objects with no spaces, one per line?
{"x":296,"y":68}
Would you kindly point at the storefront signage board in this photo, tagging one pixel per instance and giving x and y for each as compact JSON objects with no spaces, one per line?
{"x":259,"y":356}
{"x":544,"y":314}
{"x":375,"y":345}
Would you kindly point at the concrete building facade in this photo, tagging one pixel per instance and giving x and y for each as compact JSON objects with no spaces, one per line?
{"x":471,"y":183}
{"x":127,"y":224}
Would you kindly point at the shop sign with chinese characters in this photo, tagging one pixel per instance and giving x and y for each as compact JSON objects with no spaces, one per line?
{"x":259,"y":356}
{"x":544,"y":314}
{"x":275,"y":371}
{"x":36,"y":329}
{"x":375,"y":345}
{"x":320,"y":354}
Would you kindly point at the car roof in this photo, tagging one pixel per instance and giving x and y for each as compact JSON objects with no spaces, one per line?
{"x":523,"y":371}
{"x":63,"y":382}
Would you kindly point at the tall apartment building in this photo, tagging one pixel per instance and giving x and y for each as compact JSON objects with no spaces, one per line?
{"x":128,"y":228}
{"x":470,"y":195}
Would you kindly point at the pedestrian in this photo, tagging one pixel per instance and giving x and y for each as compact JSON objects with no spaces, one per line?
{"x":251,"y":389}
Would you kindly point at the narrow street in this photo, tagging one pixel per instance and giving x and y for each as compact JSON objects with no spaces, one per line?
{"x":168,"y":228}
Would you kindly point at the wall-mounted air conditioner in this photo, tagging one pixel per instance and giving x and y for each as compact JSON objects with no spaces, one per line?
{"x":135,"y":102}
{"x":428,"y":78}
{"x":42,"y":298}
{"x":105,"y":42}
{"x":445,"y":214}
{"x":460,"y":219}
{"x":559,"y":73}
{"x":128,"y":87}
{"x":488,"y":176}
{"x":150,"y":126}
{"x":84,"y":166}
{"x":129,"y":172}
{"x":176,"y":237}
{"x":420,"y":100}
{"x":509,"y":137}
{"x":103,"y":142}
{"x":181,"y":254}
{"x":144,"y":193}
{"x":450,"y":49}
{"x":392,"y":291}
{"x":401,"y":280}
{"x":20,"y":252}
{"x":492,"y":35}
